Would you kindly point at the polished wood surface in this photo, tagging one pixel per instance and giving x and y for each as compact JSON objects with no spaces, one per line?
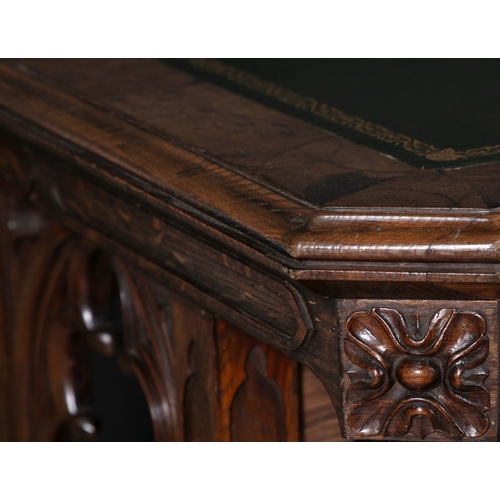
{"x":434,"y":369}
{"x":209,"y":243}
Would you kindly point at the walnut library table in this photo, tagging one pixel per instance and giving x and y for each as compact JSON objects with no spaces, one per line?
{"x":214,"y":225}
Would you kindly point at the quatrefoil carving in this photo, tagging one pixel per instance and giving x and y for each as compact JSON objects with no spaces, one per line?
{"x":400,"y":371}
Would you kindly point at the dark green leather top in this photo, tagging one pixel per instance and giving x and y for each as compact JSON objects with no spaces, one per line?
{"x":427,"y":113}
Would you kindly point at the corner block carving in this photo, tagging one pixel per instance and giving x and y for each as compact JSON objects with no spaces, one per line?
{"x":420,"y":370}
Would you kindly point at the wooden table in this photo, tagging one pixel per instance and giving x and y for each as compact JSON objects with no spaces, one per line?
{"x":211,"y":244}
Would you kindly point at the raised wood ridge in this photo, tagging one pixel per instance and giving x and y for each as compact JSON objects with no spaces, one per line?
{"x":272,"y":227}
{"x":402,"y":234}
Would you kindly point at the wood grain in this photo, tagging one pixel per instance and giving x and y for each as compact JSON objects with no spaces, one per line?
{"x":319,"y":422}
{"x":275,"y":216}
{"x":278,"y":149}
{"x":240,"y":242}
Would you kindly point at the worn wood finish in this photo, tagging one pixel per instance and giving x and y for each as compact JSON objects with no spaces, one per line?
{"x":292,"y":156}
{"x":163,"y":163}
{"x":239,"y":242}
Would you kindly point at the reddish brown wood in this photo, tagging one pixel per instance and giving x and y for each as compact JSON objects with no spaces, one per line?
{"x":212,"y":216}
{"x":258,"y":390}
{"x":198,"y":398}
{"x":258,"y":408}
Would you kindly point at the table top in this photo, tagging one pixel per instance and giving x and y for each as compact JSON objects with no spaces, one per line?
{"x":430,"y":113}
{"x":243,"y":149}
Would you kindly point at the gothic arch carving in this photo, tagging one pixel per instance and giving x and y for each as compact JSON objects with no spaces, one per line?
{"x":65,"y":308}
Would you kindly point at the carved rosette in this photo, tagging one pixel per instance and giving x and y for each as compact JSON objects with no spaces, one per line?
{"x":417,"y":376}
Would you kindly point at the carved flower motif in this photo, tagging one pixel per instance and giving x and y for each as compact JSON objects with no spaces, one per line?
{"x":398,"y":374}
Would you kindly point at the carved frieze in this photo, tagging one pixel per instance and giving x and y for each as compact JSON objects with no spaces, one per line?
{"x":419,"y":370}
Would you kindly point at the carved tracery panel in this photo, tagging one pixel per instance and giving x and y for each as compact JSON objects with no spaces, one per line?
{"x":64,"y":308}
{"x":74,"y":292}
